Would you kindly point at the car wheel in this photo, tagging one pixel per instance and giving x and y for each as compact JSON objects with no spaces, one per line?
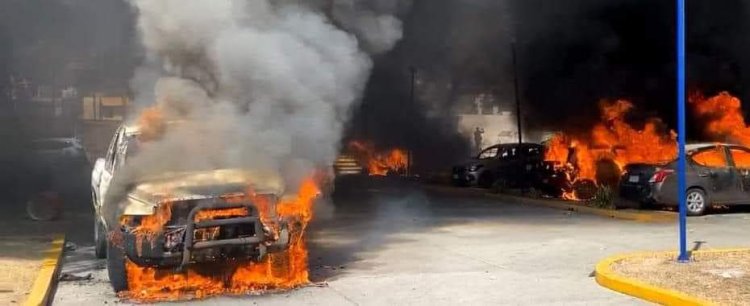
{"x":696,"y":202}
{"x":100,"y":239}
{"x":118,"y":275}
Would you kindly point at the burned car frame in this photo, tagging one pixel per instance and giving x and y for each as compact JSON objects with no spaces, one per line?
{"x":178,"y":219}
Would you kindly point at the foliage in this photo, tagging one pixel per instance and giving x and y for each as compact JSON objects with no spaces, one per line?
{"x":604,"y":198}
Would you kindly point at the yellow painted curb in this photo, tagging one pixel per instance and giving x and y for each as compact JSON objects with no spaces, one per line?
{"x":610,"y":279}
{"x":641,"y":216}
{"x":45,"y":282}
{"x":632,"y":215}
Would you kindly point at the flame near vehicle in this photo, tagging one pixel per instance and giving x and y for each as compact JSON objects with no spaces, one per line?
{"x":276,"y":271}
{"x":394,"y":161}
{"x":722,"y":117}
{"x":616,"y":141}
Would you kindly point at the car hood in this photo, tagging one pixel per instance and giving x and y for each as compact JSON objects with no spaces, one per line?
{"x":470,"y":162}
{"x":181,"y":186}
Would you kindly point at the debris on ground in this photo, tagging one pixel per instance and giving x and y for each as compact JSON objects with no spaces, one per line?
{"x":69,"y":246}
{"x":319,"y":284}
{"x":69,"y":277}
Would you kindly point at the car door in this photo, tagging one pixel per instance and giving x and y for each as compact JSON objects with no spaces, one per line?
{"x":489,"y":158}
{"x":740,"y":160}
{"x":713,"y":171}
{"x":531,"y":157}
{"x":109,"y":166}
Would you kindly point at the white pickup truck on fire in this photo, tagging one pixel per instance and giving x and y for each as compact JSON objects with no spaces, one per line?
{"x":173,"y":220}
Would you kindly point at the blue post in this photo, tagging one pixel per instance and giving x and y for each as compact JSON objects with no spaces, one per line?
{"x":681,"y":130}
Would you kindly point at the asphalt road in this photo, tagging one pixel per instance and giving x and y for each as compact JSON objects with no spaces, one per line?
{"x":407,"y":246}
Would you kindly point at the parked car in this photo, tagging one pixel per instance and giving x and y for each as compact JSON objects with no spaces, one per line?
{"x":60,"y":166}
{"x":716,"y":174}
{"x":57,"y":150}
{"x":511,"y":164}
{"x":181,"y":240}
{"x":634,"y":183}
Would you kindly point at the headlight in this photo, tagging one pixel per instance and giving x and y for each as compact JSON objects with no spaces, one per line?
{"x":475,"y":168}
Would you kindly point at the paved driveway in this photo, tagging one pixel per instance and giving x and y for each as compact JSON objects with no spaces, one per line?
{"x":412,"y":247}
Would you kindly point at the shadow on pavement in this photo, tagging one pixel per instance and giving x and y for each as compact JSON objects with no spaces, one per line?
{"x":368,"y":214}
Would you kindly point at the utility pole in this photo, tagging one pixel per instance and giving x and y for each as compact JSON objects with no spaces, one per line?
{"x":413,"y":74}
{"x":684,"y":256}
{"x":515,"y":87}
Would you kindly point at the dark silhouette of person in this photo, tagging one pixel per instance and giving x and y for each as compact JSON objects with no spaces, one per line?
{"x":478,"y":138}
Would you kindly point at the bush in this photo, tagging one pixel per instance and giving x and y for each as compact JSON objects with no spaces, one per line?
{"x":604,"y":198}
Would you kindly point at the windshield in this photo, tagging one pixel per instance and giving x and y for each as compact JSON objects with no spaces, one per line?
{"x":133,"y":145}
{"x":488,"y":153}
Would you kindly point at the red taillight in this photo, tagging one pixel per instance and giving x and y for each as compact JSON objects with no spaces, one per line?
{"x":660,"y":175}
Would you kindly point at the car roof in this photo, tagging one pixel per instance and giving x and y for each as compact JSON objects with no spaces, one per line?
{"x":515,"y":144}
{"x":703,"y":145}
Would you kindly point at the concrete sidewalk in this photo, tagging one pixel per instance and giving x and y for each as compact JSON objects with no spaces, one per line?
{"x":21,"y":258}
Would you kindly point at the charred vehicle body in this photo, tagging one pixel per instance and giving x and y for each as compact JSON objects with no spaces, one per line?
{"x":173,"y":220}
{"x":557,"y":180}
{"x":716,"y":174}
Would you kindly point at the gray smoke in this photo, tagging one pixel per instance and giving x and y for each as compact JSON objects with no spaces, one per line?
{"x":373,"y":21}
{"x":265,"y":85}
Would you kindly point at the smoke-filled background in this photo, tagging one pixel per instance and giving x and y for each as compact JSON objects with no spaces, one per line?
{"x":263,"y":85}
{"x":349,"y":64}
{"x":570,"y":55}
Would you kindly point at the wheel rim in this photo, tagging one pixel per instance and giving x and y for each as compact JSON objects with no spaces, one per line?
{"x":695,"y":201}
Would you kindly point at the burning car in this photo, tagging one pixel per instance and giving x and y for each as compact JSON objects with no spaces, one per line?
{"x":175,"y":220}
{"x":716,"y":174}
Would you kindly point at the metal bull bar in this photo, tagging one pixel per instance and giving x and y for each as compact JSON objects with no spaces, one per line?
{"x":252,"y":218}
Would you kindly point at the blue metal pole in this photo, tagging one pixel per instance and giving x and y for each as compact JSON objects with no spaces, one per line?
{"x":681,"y":130}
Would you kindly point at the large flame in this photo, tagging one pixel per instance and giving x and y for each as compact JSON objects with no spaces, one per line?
{"x":277,"y":271}
{"x":722,"y":117}
{"x":611,"y":141}
{"x":394,"y":161}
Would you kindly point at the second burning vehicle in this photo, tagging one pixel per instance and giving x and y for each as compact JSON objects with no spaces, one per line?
{"x":717,"y":174}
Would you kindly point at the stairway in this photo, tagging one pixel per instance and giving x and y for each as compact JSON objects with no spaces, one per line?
{"x":347,"y":165}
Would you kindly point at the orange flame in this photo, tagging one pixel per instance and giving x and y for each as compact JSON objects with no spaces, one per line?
{"x":379,"y":163}
{"x":152,"y":124}
{"x":712,"y":158}
{"x":277,"y":271}
{"x":722,"y":116}
{"x":613,"y":139}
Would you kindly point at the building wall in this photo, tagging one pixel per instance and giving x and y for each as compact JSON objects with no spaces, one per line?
{"x":101,"y":107}
{"x":499,"y":128}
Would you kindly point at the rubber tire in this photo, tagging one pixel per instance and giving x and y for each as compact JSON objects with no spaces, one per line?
{"x":705,"y":202}
{"x":100,"y":240}
{"x":118,"y":275}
